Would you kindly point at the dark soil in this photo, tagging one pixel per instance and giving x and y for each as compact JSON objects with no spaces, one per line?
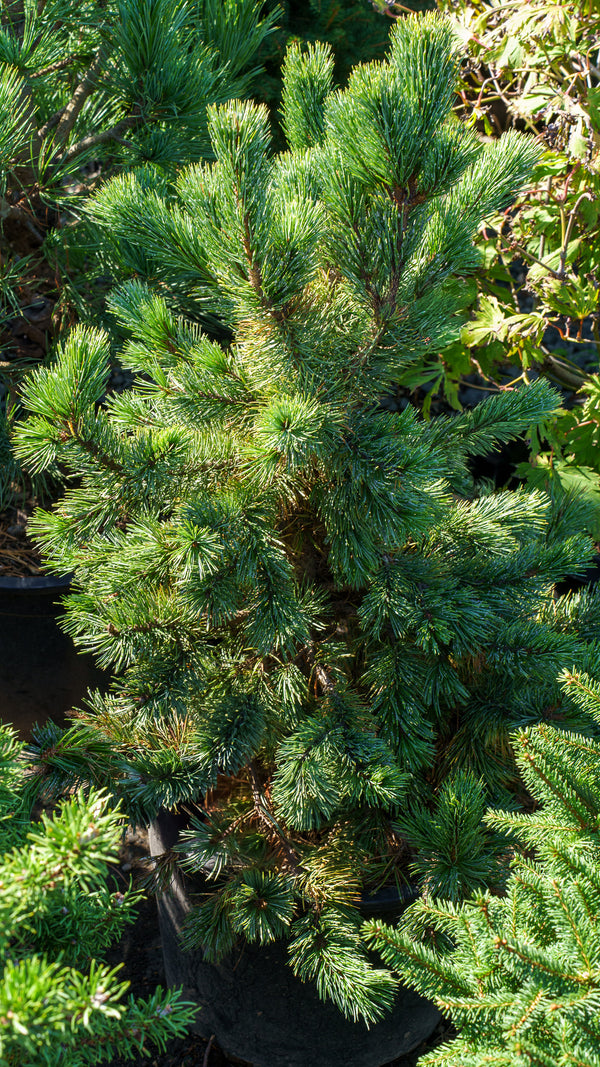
{"x":140,"y":951}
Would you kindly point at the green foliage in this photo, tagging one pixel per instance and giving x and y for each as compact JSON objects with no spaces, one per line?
{"x":326,"y":948}
{"x":113,"y":85}
{"x":354,"y":31}
{"x":58,"y":912}
{"x":324,"y":631}
{"x":518,"y":973}
{"x":566,"y":458}
{"x":143,"y":73}
{"x":531,"y":66}
{"x":453,"y":851}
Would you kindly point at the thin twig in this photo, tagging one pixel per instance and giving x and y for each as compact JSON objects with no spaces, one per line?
{"x":114,"y":134}
{"x":207,"y":1053}
{"x":262,"y":810}
{"x":596,"y":333}
{"x":565,"y":247}
{"x":482,"y":388}
{"x":513,"y":246}
{"x":50,"y":124}
{"x":542,"y":244}
{"x":16,"y":212}
{"x":62,"y":63}
{"x":567,"y":373}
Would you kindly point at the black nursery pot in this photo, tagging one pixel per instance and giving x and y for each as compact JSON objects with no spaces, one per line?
{"x":259,"y":1012}
{"x":42,"y":675}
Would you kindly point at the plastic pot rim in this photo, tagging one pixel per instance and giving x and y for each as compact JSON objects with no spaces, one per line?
{"x":35,"y":583}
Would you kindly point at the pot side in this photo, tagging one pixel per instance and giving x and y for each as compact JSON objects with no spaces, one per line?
{"x":259,"y":1011}
{"x":42,"y":675}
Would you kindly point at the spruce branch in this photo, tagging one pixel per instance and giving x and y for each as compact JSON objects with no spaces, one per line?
{"x":528,"y":756}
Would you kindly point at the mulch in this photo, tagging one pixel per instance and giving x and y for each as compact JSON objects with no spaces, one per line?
{"x":18,"y":555}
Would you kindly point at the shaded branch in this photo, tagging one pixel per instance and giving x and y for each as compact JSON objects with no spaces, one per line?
{"x":62,"y":63}
{"x":95,"y":451}
{"x":114,"y":134}
{"x":50,"y":124}
{"x":83,"y":90}
{"x":270,"y":824}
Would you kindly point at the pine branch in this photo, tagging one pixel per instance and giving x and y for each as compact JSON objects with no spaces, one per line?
{"x":94,"y":139}
{"x":93,"y":449}
{"x":59,"y":65}
{"x":255,"y":275}
{"x":263,"y":811}
{"x":49,"y":124}
{"x":81,"y":94}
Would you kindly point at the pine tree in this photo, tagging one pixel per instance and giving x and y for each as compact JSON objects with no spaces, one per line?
{"x":122,"y":84}
{"x":519,"y":973}
{"x":323,"y":630}
{"x":357,"y":32}
{"x":127,"y":80}
{"x":59,"y":1003}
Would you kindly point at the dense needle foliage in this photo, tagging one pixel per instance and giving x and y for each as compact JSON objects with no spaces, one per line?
{"x":323,"y":630}
{"x":87,"y":89}
{"x":58,"y":913}
{"x":519,"y":973}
